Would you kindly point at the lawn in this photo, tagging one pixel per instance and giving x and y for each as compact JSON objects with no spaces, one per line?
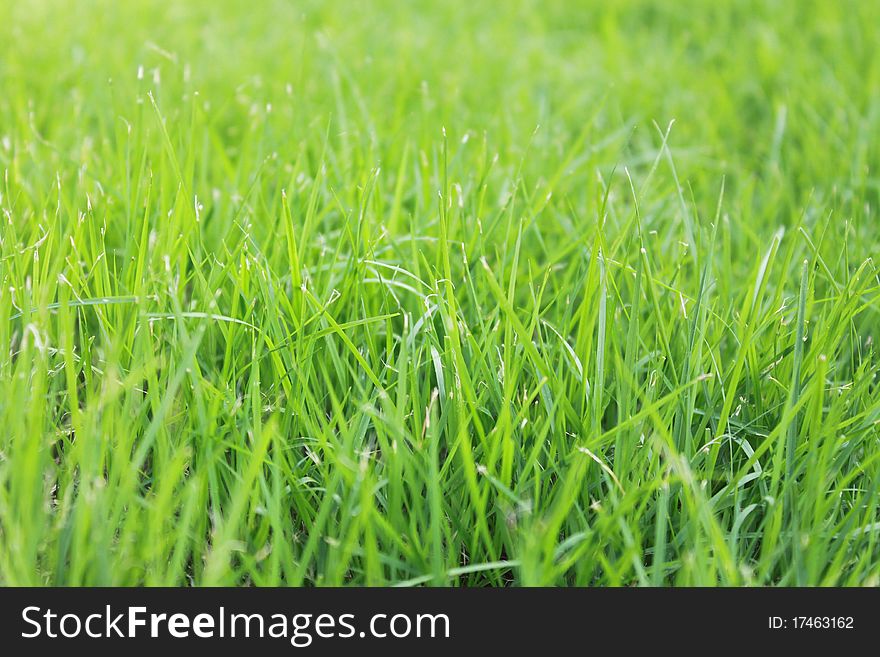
{"x":439,"y":293}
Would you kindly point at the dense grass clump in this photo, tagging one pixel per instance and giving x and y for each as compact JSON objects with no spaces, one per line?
{"x":441,"y":292}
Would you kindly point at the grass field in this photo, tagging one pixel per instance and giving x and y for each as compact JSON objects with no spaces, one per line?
{"x":450,"y":293}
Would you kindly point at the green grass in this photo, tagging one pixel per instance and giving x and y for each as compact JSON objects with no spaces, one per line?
{"x":450,"y":293}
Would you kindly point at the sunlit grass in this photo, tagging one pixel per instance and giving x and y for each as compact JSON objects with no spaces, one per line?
{"x":439,"y":293}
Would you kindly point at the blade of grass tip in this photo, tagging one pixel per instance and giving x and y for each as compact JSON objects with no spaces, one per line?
{"x":792,"y":434}
{"x":683,"y":435}
{"x":685,"y":214}
{"x":599,"y":384}
{"x":627,"y":389}
{"x":172,"y":156}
